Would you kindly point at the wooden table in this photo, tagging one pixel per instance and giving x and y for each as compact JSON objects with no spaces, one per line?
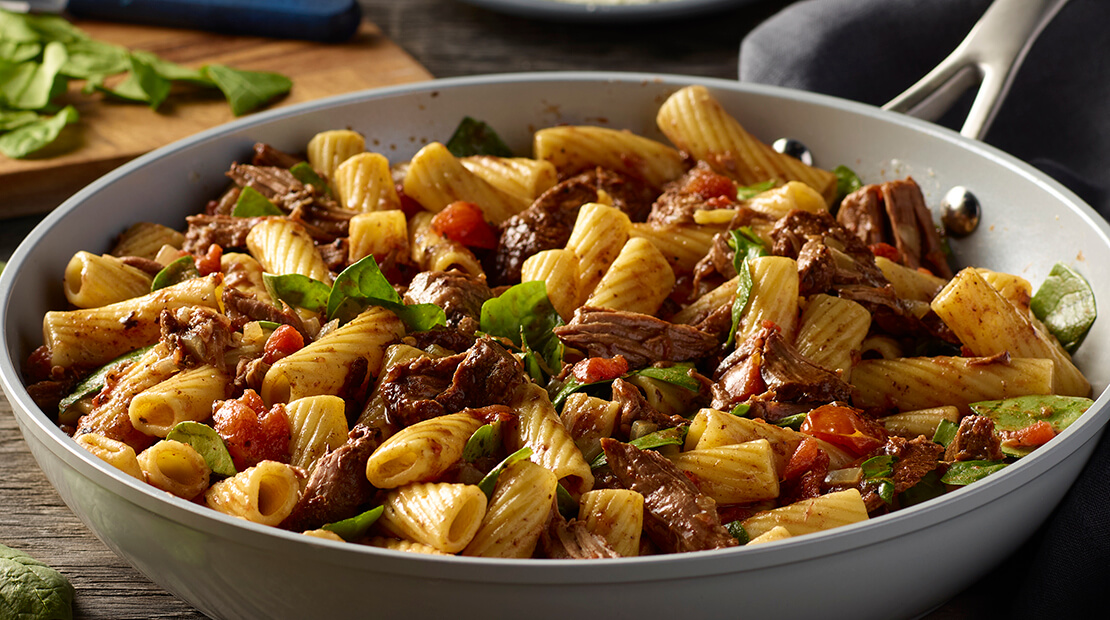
{"x":449,"y":39}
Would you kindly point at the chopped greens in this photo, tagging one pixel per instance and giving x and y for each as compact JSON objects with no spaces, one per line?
{"x":207,"y":443}
{"x":751,"y":191}
{"x":946,"y":432}
{"x":305,"y":173}
{"x":474,"y":137}
{"x":251,"y":203}
{"x":180,"y":270}
{"x":482,"y":443}
{"x":963,"y":473}
{"x":847,"y":181}
{"x":747,"y":246}
{"x":675,"y":436}
{"x":1065,"y":303}
{"x":488,"y":483}
{"x":736,"y":528}
{"x":93,"y":383}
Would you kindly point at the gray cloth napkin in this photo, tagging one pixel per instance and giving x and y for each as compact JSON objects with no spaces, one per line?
{"x":1057,"y":118}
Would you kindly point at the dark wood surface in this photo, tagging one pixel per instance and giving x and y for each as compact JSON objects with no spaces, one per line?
{"x":448,"y":38}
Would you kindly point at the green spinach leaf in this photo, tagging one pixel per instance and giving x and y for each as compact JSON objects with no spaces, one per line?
{"x":247,"y":90}
{"x":251,"y":203}
{"x":474,"y":137}
{"x":207,"y":442}
{"x":31,"y":137}
{"x":31,"y":589}
{"x":298,"y":290}
{"x":357,"y":526}
{"x":1065,"y":303}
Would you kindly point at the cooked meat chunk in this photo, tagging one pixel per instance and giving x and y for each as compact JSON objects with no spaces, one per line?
{"x":640,"y":338}
{"x":196,"y":335}
{"x":677,"y":516}
{"x":861,"y":212}
{"x":410,"y":390}
{"x":572,"y":540}
{"x":633,"y":407}
{"x":226,"y":231}
{"x":337,"y":486}
{"x":975,"y":440}
{"x":266,"y":155}
{"x":913,"y":459}
{"x":243,"y":308}
{"x":700,"y":188}
{"x":488,"y":375}
{"x":277,"y":184}
{"x":460,"y":295}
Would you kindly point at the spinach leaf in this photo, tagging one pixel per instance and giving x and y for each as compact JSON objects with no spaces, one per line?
{"x":483,"y":443}
{"x":675,"y":436}
{"x":946,"y":432}
{"x":207,"y":442}
{"x":1014,"y":414}
{"x":474,"y":137}
{"x":142,"y":85}
{"x":678,"y":374}
{"x":19,"y":51}
{"x":55,"y":28}
{"x":747,"y":246}
{"x":357,"y":526}
{"x":89,"y":58}
{"x":93,"y":383}
{"x":13,"y":119}
{"x":31,"y":589}
{"x":362,"y":285}
{"x":16,"y":27}
{"x":306,"y":174}
{"x":31,"y":137}
{"x":877,"y":471}
{"x":524,"y":312}
{"x":247,"y":90}
{"x":748,"y":192}
{"x":298,"y":290}
{"x":178,"y":271}
{"x":565,"y":502}
{"x":847,"y":181}
{"x":253,"y":204}
{"x":926,"y":489}
{"x":488,"y":483}
{"x":736,"y":528}
{"x":173,"y":71}
{"x":571,"y":386}
{"x":1065,"y":303}
{"x":36,"y":84}
{"x":963,"y":473}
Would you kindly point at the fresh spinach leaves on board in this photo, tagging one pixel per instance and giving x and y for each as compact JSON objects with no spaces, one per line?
{"x":40,"y":54}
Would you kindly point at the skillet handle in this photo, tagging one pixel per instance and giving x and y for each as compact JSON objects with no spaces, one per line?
{"x":990,"y":55}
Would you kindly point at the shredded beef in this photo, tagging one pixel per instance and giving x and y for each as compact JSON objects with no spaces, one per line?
{"x":410,"y":390}
{"x":913,"y":459}
{"x":450,"y":338}
{"x":196,"y":335}
{"x":572,"y":540}
{"x":634,"y":407}
{"x":226,"y":231}
{"x":243,"y":308}
{"x":642,"y":339}
{"x":488,"y":375}
{"x":275,"y":183}
{"x":460,"y":295}
{"x":861,"y":212}
{"x":677,"y":516}
{"x":975,"y":440}
{"x":266,"y":155}
{"x":698,"y":189}
{"x":337,"y":486}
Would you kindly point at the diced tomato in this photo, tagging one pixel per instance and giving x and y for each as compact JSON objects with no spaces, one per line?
{"x":710,"y":185}
{"x":805,"y":456}
{"x":595,"y":369}
{"x":284,"y":341}
{"x":1036,"y":434}
{"x":844,"y":427}
{"x":251,"y":433}
{"x":885,"y":250}
{"x":210,"y":261}
{"x":464,"y":222}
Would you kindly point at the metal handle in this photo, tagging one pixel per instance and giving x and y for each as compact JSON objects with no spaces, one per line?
{"x":990,"y":55}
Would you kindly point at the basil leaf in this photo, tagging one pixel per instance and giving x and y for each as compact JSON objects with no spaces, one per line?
{"x":488,"y":483}
{"x":178,"y":271}
{"x":93,"y":383}
{"x":847,"y":181}
{"x":207,"y":442}
{"x":306,"y":174}
{"x":247,"y":90}
{"x":29,"y":138}
{"x":298,"y":290}
{"x":525,"y":310}
{"x":946,"y":432}
{"x":251,"y":203}
{"x":31,"y":589}
{"x":1065,"y":303}
{"x":357,"y":526}
{"x":747,"y":192}
{"x":482,"y":443}
{"x":963,"y":473}
{"x":675,"y":436}
{"x":736,"y":528}
{"x":474,"y":137}
{"x":678,"y":374}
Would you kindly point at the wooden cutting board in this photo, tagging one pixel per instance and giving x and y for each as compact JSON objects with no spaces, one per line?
{"x":110,"y":133}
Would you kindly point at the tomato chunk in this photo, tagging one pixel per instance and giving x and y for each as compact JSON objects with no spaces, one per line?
{"x":210,"y":261}
{"x":1036,"y":434}
{"x":252,"y":433}
{"x":844,"y":427}
{"x":284,"y":341}
{"x":465,"y":223}
{"x":595,"y":369}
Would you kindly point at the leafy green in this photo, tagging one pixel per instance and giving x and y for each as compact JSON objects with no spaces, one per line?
{"x":946,"y":432}
{"x":675,"y":436}
{"x":31,"y":589}
{"x":482,"y":443}
{"x":207,"y":442}
{"x":571,"y":386}
{"x":17,"y":27}
{"x":926,"y":489}
{"x":89,"y":58}
{"x":178,"y":271}
{"x":741,"y":410}
{"x":1017,"y":413}
{"x":362,"y":285}
{"x":877,"y":471}
{"x":142,"y":85}
{"x":847,"y":181}
{"x":93,"y":383}
{"x":790,"y":421}
{"x":19,"y":51}
{"x":747,"y":192}
{"x":736,"y":528}
{"x":247,"y":90}
{"x":565,"y":502}
{"x":12,"y":119}
{"x":298,"y":290}
{"x":525,"y":312}
{"x":474,"y":137}
{"x":31,"y":137}
{"x":677,"y":374}
{"x":747,"y":246}
{"x":1065,"y":303}
{"x":963,"y":473}
{"x":488,"y":483}
{"x":357,"y":526}
{"x":32,"y":85}
{"x":173,"y":71}
{"x":306,"y":174}
{"x":251,"y":203}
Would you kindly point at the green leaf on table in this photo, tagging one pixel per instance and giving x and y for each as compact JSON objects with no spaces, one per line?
{"x":474,"y":137}
{"x":19,"y":51}
{"x":173,"y":71}
{"x":247,"y":90}
{"x":142,"y":85}
{"x":12,"y":119}
{"x":32,"y":85}
{"x":31,"y":137}
{"x":178,"y":271}
{"x":89,"y":58}
{"x":357,"y":526}
{"x":93,"y":383}
{"x":251,"y":203}
{"x":17,"y":27}
{"x":298,"y":290}
{"x":1065,"y":304}
{"x":747,"y":192}
{"x":31,"y":589}
{"x":207,"y":442}
{"x":55,"y":28}
{"x":489,"y":482}
{"x":963,"y":473}
{"x":524,"y":309}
